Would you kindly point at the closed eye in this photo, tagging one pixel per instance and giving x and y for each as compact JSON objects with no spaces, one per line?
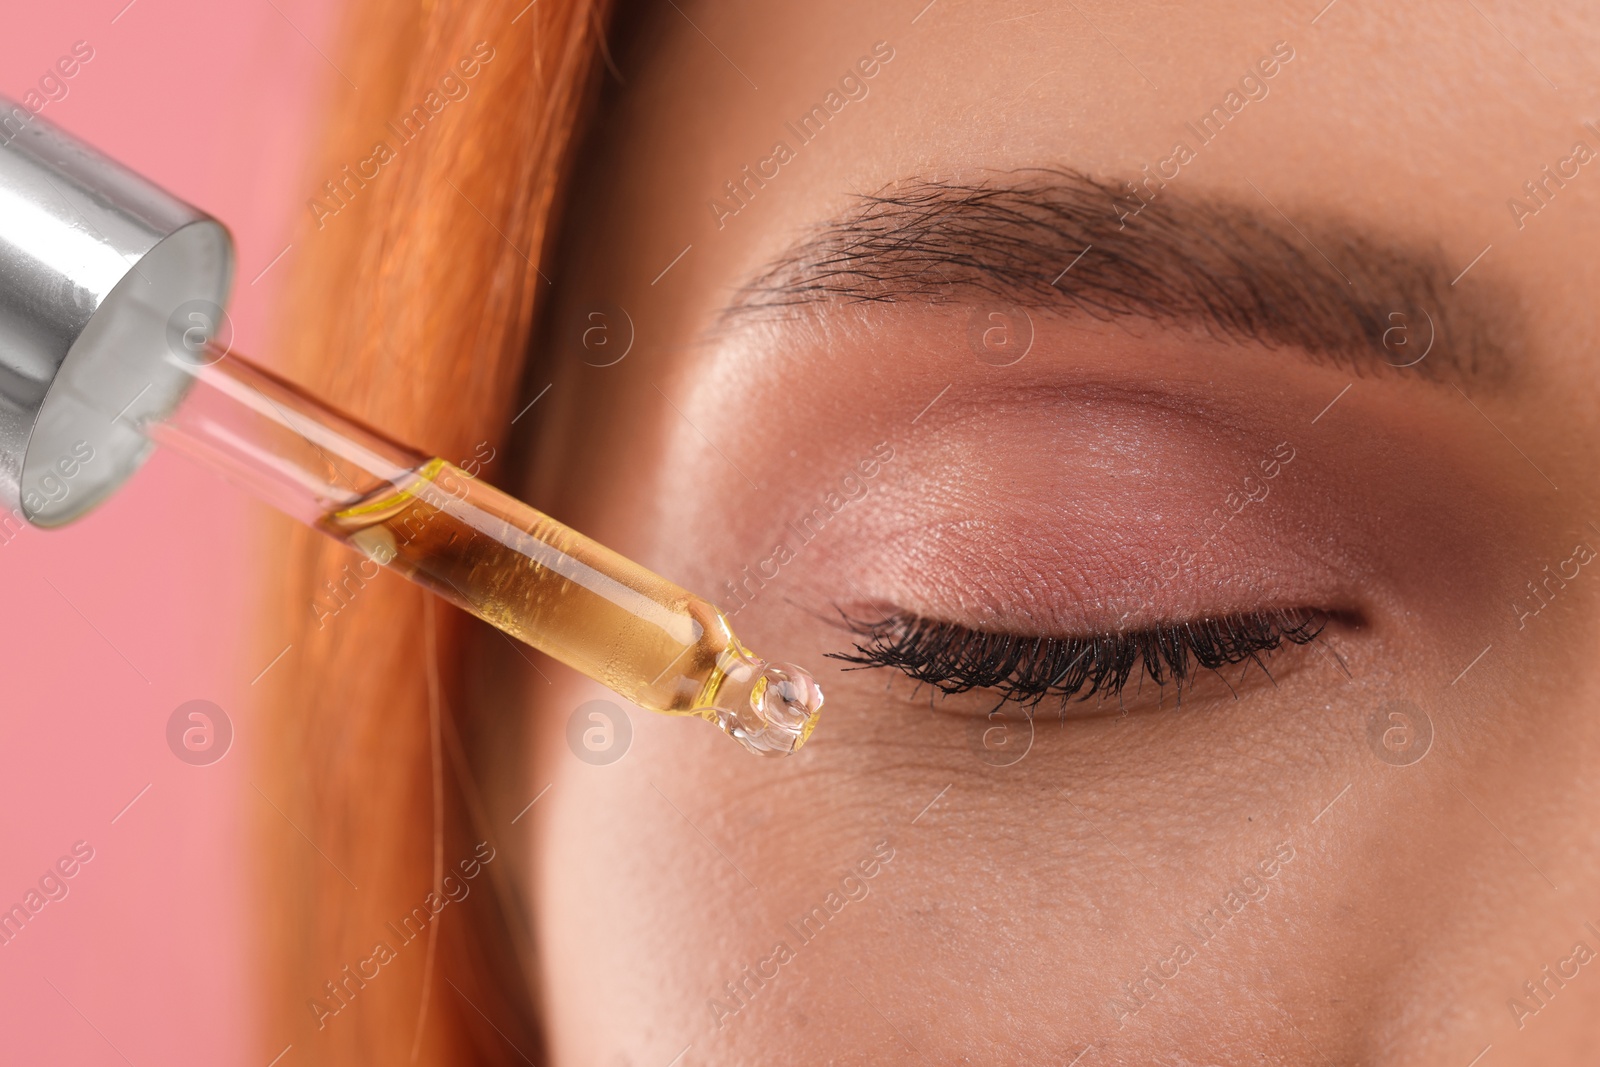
{"x":1028,"y":670}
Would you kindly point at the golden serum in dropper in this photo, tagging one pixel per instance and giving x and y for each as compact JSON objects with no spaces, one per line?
{"x":663,"y":648}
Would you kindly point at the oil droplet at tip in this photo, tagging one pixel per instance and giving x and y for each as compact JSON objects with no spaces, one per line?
{"x":778,"y":716}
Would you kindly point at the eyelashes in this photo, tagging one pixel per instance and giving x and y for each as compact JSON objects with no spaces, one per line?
{"x":1028,"y":670}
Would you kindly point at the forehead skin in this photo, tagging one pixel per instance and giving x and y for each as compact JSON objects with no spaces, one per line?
{"x":1022,"y":903}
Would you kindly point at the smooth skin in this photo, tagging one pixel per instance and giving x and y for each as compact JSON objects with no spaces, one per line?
{"x":1050,"y":908}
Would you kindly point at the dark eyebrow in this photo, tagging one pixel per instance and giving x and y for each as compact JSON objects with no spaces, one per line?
{"x":1235,"y":269}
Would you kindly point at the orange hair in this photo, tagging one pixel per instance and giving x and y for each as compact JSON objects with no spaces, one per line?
{"x":413,"y":300}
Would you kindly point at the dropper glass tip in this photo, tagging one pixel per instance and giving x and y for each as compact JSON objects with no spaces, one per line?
{"x":769,"y":708}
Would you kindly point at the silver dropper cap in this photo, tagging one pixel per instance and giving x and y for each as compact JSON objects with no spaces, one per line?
{"x":106,"y":281}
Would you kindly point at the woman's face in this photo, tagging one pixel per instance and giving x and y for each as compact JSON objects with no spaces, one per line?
{"x":907,"y":345}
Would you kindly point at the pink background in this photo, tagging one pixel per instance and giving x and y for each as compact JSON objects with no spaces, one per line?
{"x":145,"y":961}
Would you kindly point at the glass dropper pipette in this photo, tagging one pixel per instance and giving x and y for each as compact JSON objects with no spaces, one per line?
{"x":488,"y":553}
{"x":111,"y":290}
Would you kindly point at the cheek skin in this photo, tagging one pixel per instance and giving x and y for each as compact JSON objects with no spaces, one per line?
{"x":1006,"y":875}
